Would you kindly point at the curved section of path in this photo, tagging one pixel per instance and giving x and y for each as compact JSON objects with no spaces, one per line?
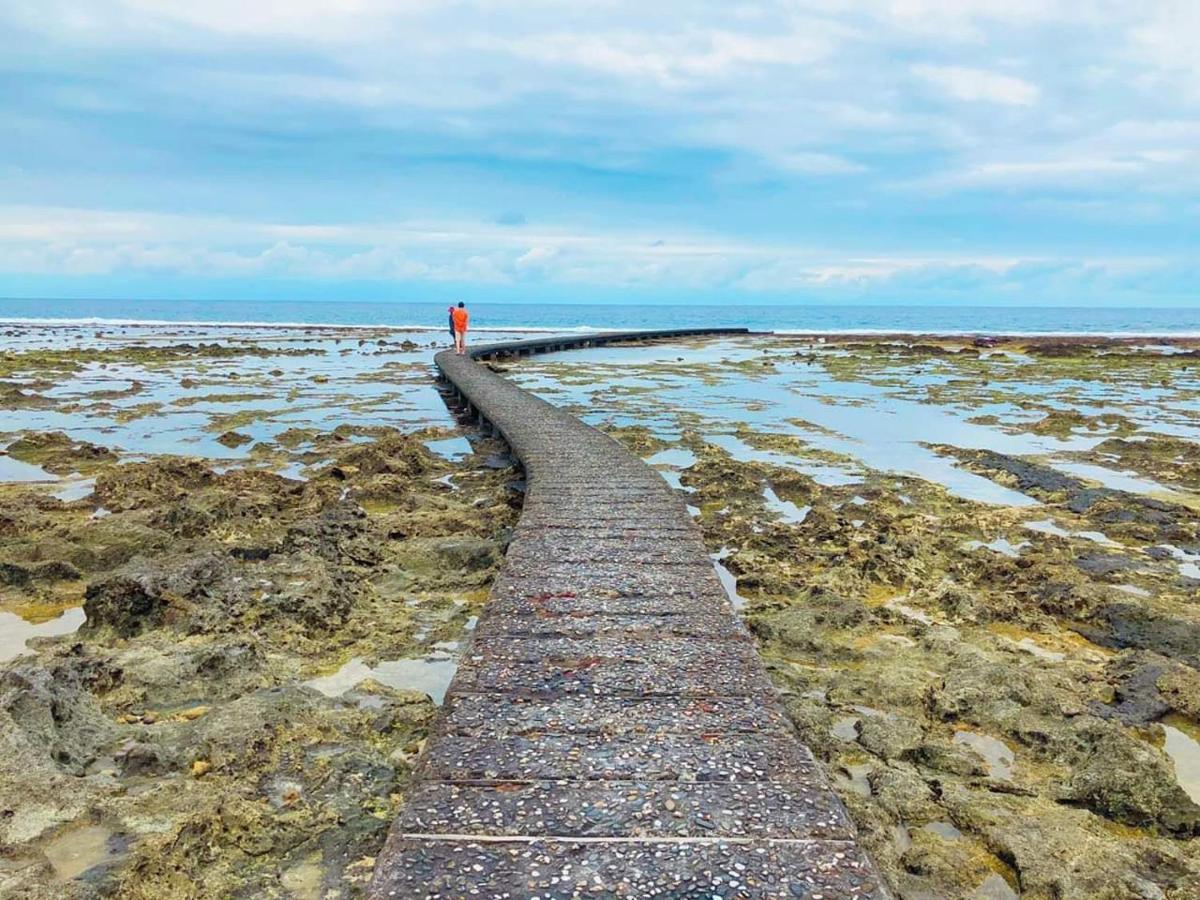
{"x":611,"y":730}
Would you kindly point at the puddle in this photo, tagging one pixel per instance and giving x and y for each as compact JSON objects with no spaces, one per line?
{"x":294,"y":471}
{"x":728,"y":579}
{"x":675,"y":457}
{"x":15,"y":470}
{"x":15,"y":631}
{"x":453,"y":449}
{"x":73,"y":852}
{"x":999,"y":545}
{"x":943,"y":829}
{"x":787,"y":510}
{"x":1189,"y":563}
{"x":845,"y":728}
{"x":430,"y":675}
{"x":994,"y":887}
{"x":995,"y":753}
{"x":1130,"y":482}
{"x":1036,"y":649}
{"x":673,"y":479}
{"x":827,"y":475}
{"x":75,"y":490}
{"x":910,"y":612}
{"x":693,"y":511}
{"x":1182,"y":744}
{"x":1047,"y":526}
{"x":855,"y":778}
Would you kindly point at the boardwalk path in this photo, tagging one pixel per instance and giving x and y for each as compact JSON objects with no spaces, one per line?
{"x":611,"y":731}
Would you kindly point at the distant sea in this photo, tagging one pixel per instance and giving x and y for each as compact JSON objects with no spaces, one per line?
{"x":568,"y":317}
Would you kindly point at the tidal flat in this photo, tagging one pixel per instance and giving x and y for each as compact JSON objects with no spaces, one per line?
{"x":237,"y":565}
{"x":236,"y":568}
{"x":972,"y":571}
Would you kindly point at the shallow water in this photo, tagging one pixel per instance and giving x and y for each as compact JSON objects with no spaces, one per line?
{"x":874,"y":424}
{"x":15,"y":631}
{"x":74,"y":851}
{"x":786,"y":509}
{"x":673,"y":457}
{"x":453,"y":449}
{"x":75,"y":490}
{"x":346,"y":382}
{"x":1129,"y":482}
{"x":1182,"y":744}
{"x":15,"y":470}
{"x":884,"y":418}
{"x":995,"y":753}
{"x":999,"y":545}
{"x":430,"y":675}
{"x":728,"y":579}
{"x":1189,"y":563}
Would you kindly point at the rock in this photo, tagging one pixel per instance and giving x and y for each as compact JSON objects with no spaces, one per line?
{"x":13,"y":575}
{"x":1137,"y":700}
{"x":233,"y":439}
{"x":904,"y":794}
{"x":889,"y":736}
{"x":1180,"y":689}
{"x":54,"y":709}
{"x":58,"y":452}
{"x":946,"y":757}
{"x":1069,"y":854}
{"x":123,"y":604}
{"x":150,"y":484}
{"x":1102,"y":564}
{"x":55,"y":570}
{"x":1129,"y":781}
{"x":394,"y":454}
{"x":1132,"y":625}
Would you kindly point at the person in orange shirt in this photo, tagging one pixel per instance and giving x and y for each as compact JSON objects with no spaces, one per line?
{"x":460,"y":318}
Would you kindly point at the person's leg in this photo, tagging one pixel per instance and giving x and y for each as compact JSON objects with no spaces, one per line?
{"x":458,"y":342}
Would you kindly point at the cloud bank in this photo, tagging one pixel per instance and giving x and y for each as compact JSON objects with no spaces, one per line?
{"x":1011,"y":151}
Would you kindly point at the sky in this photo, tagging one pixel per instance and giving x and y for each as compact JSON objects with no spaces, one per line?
{"x":1023,"y":152}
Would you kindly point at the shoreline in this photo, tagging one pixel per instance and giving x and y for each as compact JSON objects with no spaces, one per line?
{"x":816,"y":333}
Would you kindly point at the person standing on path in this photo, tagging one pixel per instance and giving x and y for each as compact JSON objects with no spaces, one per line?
{"x":460,"y":319}
{"x":450,"y":320}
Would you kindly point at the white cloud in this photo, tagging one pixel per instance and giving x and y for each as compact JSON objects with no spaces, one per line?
{"x":96,"y":242}
{"x":970,"y":84}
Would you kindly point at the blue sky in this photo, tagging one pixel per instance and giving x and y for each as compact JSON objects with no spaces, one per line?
{"x":975,"y":151}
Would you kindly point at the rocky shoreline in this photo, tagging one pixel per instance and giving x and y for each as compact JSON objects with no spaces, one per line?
{"x":1004,"y":692}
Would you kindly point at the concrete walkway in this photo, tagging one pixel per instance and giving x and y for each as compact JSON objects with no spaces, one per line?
{"x":611,"y":731}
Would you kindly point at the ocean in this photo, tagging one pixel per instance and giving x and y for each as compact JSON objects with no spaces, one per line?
{"x":573,"y":317}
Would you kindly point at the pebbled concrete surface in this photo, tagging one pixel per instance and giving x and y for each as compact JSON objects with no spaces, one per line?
{"x":611,"y":731}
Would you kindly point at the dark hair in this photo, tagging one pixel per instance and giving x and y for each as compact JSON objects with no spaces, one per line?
{"x":460,"y":304}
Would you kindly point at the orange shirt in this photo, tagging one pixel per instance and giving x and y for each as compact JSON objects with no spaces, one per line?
{"x":460,"y":319}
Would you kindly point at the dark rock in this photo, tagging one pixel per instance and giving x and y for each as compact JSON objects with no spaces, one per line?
{"x":1101,"y":564}
{"x":1137,"y":698}
{"x":123,"y":604}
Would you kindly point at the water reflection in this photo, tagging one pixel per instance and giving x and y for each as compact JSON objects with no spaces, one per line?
{"x":430,"y":675}
{"x":16,"y":631}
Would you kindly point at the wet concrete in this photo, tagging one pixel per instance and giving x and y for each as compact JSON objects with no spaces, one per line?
{"x":611,"y":730}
